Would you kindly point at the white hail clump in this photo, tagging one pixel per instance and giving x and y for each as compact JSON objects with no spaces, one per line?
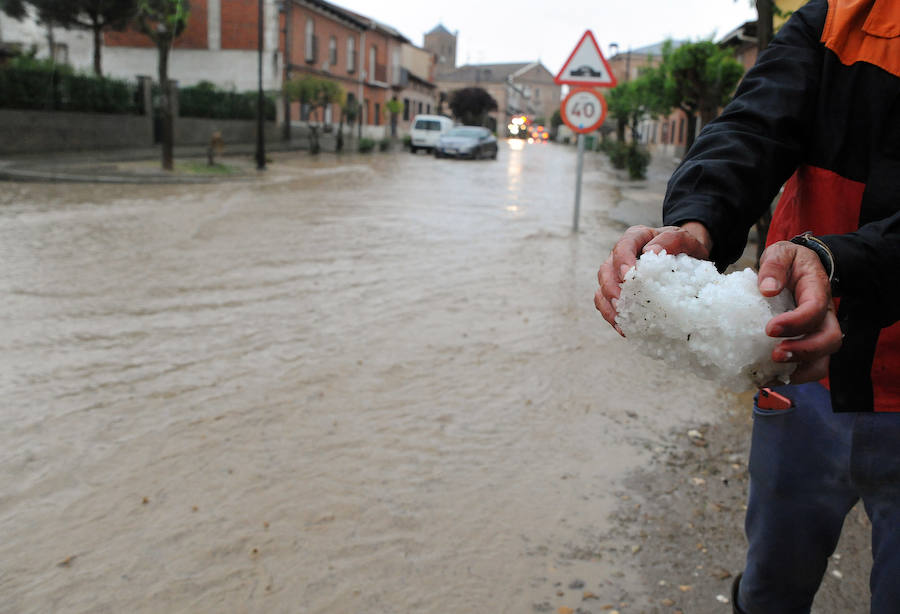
{"x":682,"y":310}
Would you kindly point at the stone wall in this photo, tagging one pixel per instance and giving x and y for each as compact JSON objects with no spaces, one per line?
{"x":44,"y":131}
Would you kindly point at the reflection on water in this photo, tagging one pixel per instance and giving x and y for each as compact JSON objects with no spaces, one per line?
{"x":357,"y":385}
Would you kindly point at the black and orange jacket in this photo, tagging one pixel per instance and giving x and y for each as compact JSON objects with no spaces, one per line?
{"x":820,"y":110}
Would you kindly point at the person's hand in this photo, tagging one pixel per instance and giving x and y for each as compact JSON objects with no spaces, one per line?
{"x":813,"y":321}
{"x":692,"y":239}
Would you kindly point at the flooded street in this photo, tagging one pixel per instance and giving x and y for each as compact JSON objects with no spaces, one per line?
{"x":354,"y":385}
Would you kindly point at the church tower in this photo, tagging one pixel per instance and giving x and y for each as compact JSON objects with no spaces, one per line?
{"x":442,"y":43}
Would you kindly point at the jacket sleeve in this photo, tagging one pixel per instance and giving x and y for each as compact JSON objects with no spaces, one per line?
{"x":740,"y":160}
{"x":863,"y":260}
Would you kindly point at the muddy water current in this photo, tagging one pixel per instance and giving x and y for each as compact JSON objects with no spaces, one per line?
{"x":353,"y":385}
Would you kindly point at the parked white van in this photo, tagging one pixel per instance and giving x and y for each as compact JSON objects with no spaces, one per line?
{"x":426,"y":130}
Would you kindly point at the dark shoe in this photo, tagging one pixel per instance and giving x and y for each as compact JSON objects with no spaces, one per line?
{"x":735,"y":586}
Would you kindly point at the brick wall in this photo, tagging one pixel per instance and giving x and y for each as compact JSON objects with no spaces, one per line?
{"x":324,"y":28}
{"x":239,"y":29}
{"x":194,"y":36}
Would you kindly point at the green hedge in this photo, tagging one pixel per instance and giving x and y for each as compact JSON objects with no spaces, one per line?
{"x":59,"y":89}
{"x":206,"y":100}
{"x":26,"y":83}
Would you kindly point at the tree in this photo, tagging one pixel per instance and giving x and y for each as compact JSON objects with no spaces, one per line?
{"x":14,"y":8}
{"x":471,"y":105}
{"x":163,"y":21}
{"x":699,"y":78}
{"x":317,"y":93}
{"x":94,"y":15}
{"x":555,"y":122}
{"x":393,"y":107}
{"x":631,"y":101}
{"x":349,"y":111}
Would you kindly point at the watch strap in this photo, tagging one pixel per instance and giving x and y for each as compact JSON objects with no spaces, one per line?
{"x":826,"y":256}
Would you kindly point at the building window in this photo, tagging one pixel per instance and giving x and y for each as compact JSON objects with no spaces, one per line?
{"x":351,"y":54}
{"x":406,"y":109}
{"x":377,"y":114}
{"x":428,"y":109}
{"x":672,"y":131}
{"x":311,"y":41}
{"x":681,"y":130}
{"x":420,"y":107}
{"x":332,"y":51}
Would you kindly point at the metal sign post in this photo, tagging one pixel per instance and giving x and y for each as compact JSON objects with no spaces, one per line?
{"x":583,"y":110}
{"x":578,"y":168}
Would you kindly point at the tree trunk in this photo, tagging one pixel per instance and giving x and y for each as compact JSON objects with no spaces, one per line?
{"x":287,"y":69}
{"x":165,"y":88}
{"x":98,"y":42}
{"x":339,"y":139}
{"x":764,"y":24}
{"x":621,"y":124}
{"x":707,"y":115}
{"x":313,"y":133}
{"x":691,"y":128}
{"x":51,"y":42}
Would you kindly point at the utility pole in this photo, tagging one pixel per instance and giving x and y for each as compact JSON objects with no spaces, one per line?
{"x":260,"y":100}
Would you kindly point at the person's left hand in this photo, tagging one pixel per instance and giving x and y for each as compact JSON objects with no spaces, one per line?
{"x":813,"y":321}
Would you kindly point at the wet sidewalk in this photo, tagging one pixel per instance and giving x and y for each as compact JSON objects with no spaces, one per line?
{"x":133,"y":166}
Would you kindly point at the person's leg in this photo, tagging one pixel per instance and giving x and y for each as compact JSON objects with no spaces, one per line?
{"x":800,"y":492}
{"x":876,"y":472}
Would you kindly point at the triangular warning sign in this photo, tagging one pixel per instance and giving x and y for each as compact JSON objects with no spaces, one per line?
{"x":586,"y":65}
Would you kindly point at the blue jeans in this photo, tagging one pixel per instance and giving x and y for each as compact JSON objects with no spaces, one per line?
{"x":808,"y":467}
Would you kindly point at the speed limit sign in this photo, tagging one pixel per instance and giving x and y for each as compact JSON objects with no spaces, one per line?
{"x":583,"y":110}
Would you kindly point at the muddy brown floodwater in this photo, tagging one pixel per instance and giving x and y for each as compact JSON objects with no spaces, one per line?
{"x":354,"y":385}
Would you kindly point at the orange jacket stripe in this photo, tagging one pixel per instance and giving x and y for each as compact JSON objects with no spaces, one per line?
{"x":864,"y":31}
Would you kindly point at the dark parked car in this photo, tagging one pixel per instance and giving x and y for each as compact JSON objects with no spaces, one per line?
{"x":467,"y":142}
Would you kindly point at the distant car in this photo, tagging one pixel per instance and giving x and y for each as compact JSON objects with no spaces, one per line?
{"x":467,"y":142}
{"x":426,"y":130}
{"x":585,"y":71}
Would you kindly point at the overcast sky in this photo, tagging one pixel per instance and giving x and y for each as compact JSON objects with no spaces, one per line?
{"x":498,"y":31}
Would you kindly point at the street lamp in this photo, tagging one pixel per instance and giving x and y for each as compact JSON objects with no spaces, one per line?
{"x":260,"y":100}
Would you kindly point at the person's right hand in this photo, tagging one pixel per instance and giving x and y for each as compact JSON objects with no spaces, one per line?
{"x":692,"y":239}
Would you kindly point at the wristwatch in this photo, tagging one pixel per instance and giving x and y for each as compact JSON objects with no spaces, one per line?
{"x":808,"y":239}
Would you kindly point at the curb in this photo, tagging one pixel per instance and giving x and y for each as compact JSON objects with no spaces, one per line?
{"x":37,"y":176}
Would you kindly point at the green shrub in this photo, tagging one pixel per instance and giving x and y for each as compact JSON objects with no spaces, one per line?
{"x":206,"y":100}
{"x":618,"y":154}
{"x":637,"y":159}
{"x":26,"y":83}
{"x":407,"y":142}
{"x":365,"y":145}
{"x":384,"y":144}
